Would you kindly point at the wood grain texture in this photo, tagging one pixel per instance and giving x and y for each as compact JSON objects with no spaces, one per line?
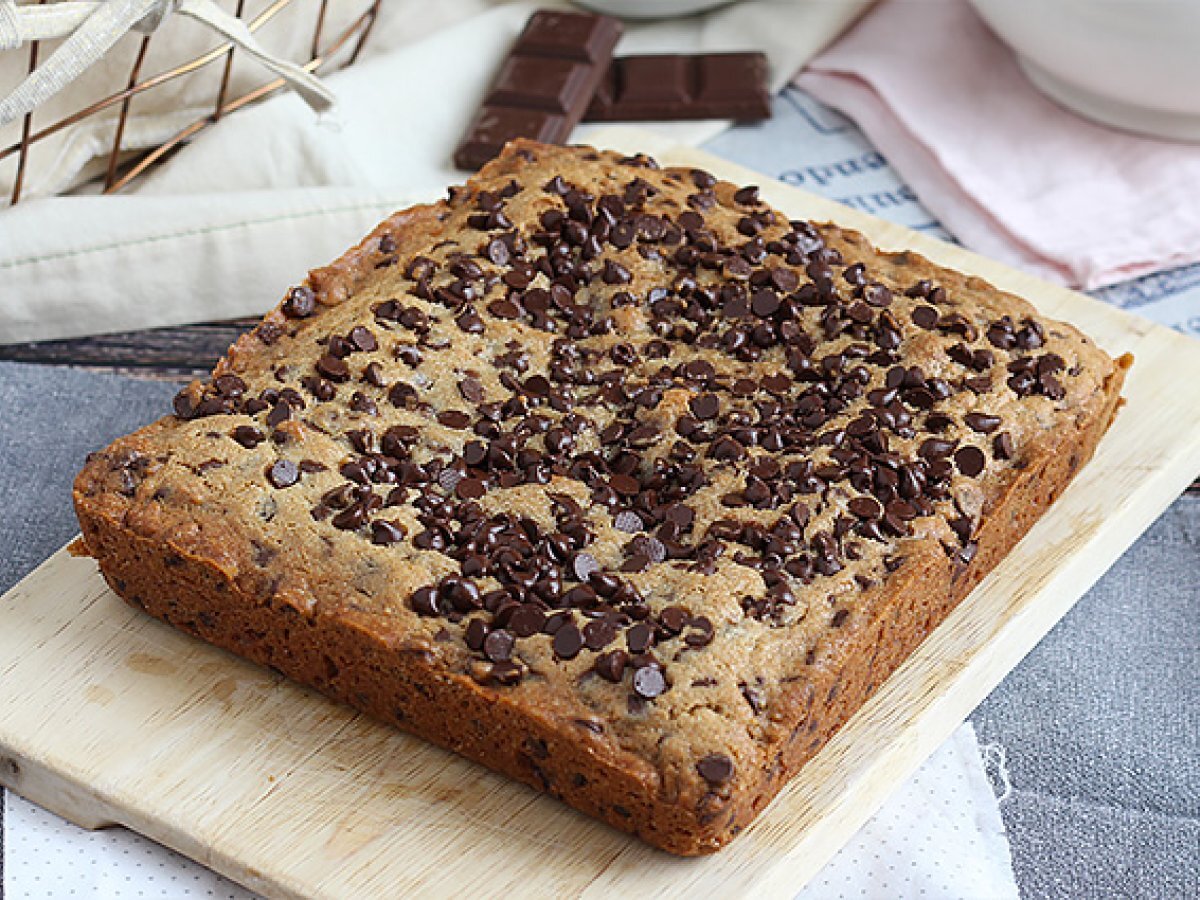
{"x":107,"y":716}
{"x":178,"y":353}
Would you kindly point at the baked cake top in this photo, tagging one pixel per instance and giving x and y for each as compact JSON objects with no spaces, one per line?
{"x":618,"y":439}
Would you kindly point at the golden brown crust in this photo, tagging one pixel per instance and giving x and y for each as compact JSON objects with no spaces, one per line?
{"x":185,"y":526}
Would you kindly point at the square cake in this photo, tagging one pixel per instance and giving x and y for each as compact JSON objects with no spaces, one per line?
{"x":604,"y":475}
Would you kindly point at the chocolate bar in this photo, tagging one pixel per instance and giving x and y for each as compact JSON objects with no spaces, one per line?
{"x":544,"y":85}
{"x":672,"y":86}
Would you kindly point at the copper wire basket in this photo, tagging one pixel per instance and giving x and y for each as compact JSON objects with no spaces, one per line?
{"x":121,"y":167}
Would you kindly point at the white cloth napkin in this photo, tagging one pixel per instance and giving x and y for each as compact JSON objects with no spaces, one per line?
{"x":939,"y":837}
{"x":61,"y":160}
{"x":78,"y":152}
{"x":1009,"y":172}
{"x":224,"y":227}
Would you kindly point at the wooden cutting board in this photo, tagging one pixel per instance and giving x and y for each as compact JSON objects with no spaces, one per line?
{"x":109,"y":717}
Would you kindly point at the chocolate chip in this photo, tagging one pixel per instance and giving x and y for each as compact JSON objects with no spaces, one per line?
{"x":674,"y":618}
{"x":475,"y":634}
{"x":1031,"y":336}
{"x":352,"y":518}
{"x":559,"y":440}
{"x":526,"y":620}
{"x":448,"y":479}
{"x":925,"y":317}
{"x":764,"y":303}
{"x":360,"y":402}
{"x":424,"y":601}
{"x":283,"y":473}
{"x":362,"y":339}
{"x":333,"y":368}
{"x":970,"y":461}
{"x":866,"y":507}
{"x":474,"y":453}
{"x":649,"y":682}
{"x":700,"y":633}
{"x":655,"y":550}
{"x":300,"y":303}
{"x":785,"y":280}
{"x":1052,"y":387}
{"x":568,"y":641}
{"x":555,"y":621}
{"x":248,"y":436}
{"x":184,"y":405}
{"x":461,"y":592}
{"x":229,"y":386}
{"x":878,"y":295}
{"x":637,"y":562}
{"x":537,"y":386}
{"x":469,"y":321}
{"x":504,"y":309}
{"x":498,"y":645}
{"x":383,"y":532}
{"x":1002,"y":445}
{"x":470,"y":489}
{"x":628,"y":521}
{"x":626,"y":485}
{"x":716,"y":768}
{"x":776,"y":383}
{"x":726,"y":449}
{"x":935,"y":448}
{"x":639,"y":638}
{"x":747,"y":196}
{"x":454,"y":418}
{"x":705,"y":406}
{"x":585,"y":565}
{"x":615,"y":273}
{"x":497,"y":252}
{"x":981,"y":422}
{"x":699,"y":370}
{"x":962,"y":528}
{"x":611,"y":665}
{"x":506,"y":673}
{"x":598,"y":634}
{"x":471,"y":390}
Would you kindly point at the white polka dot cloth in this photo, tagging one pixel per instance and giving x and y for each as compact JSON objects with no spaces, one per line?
{"x":938,"y":836}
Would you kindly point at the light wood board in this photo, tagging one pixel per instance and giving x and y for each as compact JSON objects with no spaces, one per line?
{"x":107,"y":716}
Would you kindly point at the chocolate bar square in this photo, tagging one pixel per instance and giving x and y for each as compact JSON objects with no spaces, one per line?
{"x":567,"y":35}
{"x":675,"y":86}
{"x":540,"y":82}
{"x":544,"y":85}
{"x":725,"y":77}
{"x":495,"y":126}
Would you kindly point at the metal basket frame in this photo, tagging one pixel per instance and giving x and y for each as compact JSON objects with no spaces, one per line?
{"x":117,"y":175}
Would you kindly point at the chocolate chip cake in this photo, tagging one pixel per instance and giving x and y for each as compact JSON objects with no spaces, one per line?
{"x":606,"y":476}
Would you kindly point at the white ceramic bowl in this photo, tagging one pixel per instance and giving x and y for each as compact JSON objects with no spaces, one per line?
{"x":1133,"y":64}
{"x":651,"y":9}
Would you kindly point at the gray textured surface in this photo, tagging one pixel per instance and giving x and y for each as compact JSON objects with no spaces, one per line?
{"x":50,"y":419}
{"x":1100,"y":723}
{"x":1101,"y":729}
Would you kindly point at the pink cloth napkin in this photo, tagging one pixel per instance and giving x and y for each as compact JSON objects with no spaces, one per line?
{"x":1007,"y":171}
